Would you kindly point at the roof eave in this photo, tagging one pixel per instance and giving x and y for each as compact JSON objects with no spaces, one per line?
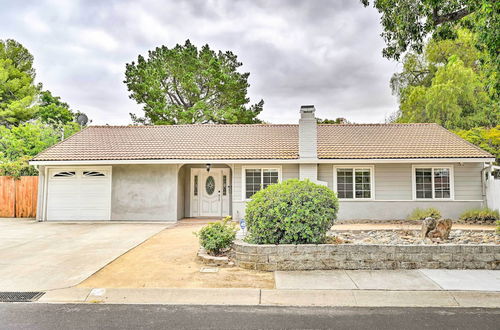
{"x":264,"y":161}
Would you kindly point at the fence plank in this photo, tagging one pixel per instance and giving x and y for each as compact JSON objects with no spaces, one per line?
{"x":18,"y":197}
{"x":26,"y":194}
{"x":7,"y":197}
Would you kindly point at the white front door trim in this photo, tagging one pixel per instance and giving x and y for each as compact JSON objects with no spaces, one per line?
{"x":204,"y":204}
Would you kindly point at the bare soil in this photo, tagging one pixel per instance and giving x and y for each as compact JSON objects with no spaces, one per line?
{"x":168,"y":260}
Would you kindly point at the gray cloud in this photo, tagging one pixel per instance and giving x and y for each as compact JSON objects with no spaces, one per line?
{"x":326,"y":53}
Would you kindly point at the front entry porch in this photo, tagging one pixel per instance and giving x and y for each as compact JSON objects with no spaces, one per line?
{"x":206,"y":191}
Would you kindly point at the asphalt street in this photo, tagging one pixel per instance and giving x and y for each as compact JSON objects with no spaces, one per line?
{"x":106,"y":316}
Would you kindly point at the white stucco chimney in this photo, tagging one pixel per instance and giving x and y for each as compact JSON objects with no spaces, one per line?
{"x":308,"y":133}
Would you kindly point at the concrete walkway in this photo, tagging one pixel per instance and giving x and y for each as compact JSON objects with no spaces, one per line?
{"x":254,"y":297}
{"x":48,"y":255}
{"x":394,"y":280}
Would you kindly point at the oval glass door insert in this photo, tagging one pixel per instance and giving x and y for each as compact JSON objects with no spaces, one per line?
{"x":210,"y":185}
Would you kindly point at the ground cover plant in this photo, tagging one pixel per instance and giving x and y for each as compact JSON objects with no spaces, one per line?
{"x":421,"y":214}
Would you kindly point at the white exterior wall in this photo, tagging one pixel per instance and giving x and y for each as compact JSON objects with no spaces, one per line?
{"x":288,"y":171}
{"x":144,"y":192}
{"x":393,"y":192}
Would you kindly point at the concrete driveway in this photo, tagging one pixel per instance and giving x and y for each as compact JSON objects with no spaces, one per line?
{"x":44,"y":256}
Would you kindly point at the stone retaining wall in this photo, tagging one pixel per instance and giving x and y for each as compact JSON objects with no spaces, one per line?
{"x":345,"y":256}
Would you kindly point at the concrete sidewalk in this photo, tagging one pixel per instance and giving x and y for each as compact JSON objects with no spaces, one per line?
{"x":392,"y":280}
{"x":254,"y":297}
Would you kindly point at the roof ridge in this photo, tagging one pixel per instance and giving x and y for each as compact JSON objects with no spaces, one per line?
{"x":186,"y":125}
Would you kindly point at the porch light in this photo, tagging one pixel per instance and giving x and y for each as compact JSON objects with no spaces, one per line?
{"x":208,"y":167}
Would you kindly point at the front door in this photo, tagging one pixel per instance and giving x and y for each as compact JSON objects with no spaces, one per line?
{"x":209,"y":192}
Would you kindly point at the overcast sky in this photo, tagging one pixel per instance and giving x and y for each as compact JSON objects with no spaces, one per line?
{"x":326,"y":53}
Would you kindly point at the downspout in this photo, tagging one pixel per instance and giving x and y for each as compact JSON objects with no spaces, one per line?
{"x":483,"y":181}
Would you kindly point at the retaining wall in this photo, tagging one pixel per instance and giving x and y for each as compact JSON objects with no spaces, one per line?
{"x":345,"y":256}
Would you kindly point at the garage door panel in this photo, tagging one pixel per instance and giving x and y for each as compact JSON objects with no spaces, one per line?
{"x":78,"y":196}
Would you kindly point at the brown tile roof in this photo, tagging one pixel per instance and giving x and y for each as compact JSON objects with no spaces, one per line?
{"x":212,"y":142}
{"x":365,"y":141}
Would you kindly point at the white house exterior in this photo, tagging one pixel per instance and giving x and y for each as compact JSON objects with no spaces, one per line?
{"x":166,"y":173}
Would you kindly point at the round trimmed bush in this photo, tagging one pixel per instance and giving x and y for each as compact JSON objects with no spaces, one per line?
{"x":291,"y":212}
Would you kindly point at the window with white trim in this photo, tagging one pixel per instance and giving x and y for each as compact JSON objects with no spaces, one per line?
{"x":433,"y":182}
{"x":259,"y":178}
{"x":354,"y":182}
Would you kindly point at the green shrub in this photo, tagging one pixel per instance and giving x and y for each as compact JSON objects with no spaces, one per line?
{"x":421,"y":214}
{"x":291,"y":212}
{"x":216,"y":237}
{"x":480,"y":215}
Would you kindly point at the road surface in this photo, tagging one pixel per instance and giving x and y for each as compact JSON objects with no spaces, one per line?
{"x":107,"y":316}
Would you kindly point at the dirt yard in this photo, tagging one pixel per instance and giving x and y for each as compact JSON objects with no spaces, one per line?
{"x":168,"y":260}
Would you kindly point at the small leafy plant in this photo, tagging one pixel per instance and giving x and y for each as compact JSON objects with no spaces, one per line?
{"x":421,"y":214}
{"x":480,"y":215}
{"x":217,"y":237}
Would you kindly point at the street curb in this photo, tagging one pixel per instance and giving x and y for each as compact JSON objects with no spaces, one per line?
{"x":275,"y":297}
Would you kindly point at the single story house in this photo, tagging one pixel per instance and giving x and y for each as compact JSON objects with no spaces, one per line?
{"x":166,"y":173}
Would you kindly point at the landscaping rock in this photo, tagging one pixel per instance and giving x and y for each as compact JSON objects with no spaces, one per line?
{"x":222,"y":261}
{"x":428,"y":225}
{"x":442,"y":230}
{"x":432,"y":228}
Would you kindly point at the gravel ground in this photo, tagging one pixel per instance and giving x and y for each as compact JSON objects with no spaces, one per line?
{"x":410,"y":237}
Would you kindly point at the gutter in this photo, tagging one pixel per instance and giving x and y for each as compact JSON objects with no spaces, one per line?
{"x":262,"y":161}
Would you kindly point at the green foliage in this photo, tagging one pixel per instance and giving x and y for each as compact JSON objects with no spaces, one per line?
{"x":53,"y":111}
{"x":407,"y":24}
{"x":421,"y":214}
{"x":480,"y":215}
{"x":451,"y":84}
{"x":485,"y":138}
{"x":216,"y":237}
{"x":20,"y":143}
{"x":338,"y":120}
{"x":17,"y":89}
{"x":185,"y":85}
{"x":291,"y":212}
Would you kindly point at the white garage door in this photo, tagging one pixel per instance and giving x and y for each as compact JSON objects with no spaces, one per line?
{"x":79,"y":194}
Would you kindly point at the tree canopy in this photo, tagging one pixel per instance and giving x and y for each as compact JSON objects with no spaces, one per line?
{"x":31,"y":120}
{"x":187,"y":85}
{"x":450,"y":84}
{"x":407,"y":23}
{"x":18,"y":93}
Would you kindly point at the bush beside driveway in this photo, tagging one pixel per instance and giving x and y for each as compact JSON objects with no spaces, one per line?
{"x":168,"y":260}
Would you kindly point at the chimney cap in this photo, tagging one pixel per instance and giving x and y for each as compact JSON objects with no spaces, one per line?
{"x":307,"y":108}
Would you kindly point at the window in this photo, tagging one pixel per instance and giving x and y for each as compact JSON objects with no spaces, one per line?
{"x":224,"y":185}
{"x":64,"y":174}
{"x":432,"y":182}
{"x":195,"y":187}
{"x":354,"y":182}
{"x":256,"y":179}
{"x":210,"y":185}
{"x":92,"y":173}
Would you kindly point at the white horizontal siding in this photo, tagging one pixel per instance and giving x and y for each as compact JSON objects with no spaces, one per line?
{"x":394,"y":181}
{"x":288,"y":171}
{"x":468,"y":185}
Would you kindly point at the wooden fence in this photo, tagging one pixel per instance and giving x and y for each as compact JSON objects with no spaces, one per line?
{"x":18,"y":197}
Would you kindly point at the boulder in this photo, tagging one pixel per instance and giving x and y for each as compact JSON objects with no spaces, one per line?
{"x":432,"y":228}
{"x":427,"y":225}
